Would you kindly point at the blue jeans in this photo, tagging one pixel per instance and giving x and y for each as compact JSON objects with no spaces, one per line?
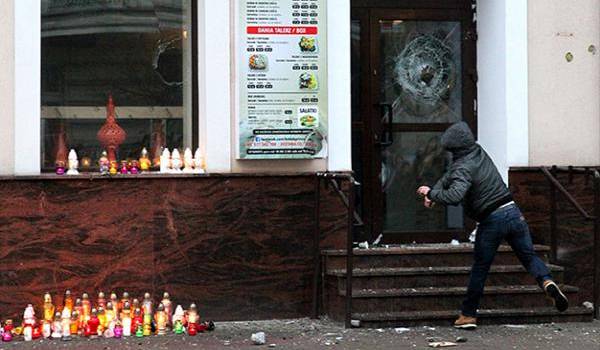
{"x":503,"y":224}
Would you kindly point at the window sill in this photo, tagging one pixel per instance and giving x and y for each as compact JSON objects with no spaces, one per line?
{"x":151,"y":175}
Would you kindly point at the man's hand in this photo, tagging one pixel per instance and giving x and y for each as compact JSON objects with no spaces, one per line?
{"x":423,"y":190}
{"x":428,"y":203}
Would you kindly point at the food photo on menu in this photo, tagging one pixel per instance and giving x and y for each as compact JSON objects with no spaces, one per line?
{"x":308,"y":44}
{"x":258,"y":62}
{"x":308,"y":81}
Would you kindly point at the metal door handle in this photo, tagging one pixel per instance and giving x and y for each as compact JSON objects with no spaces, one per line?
{"x":387,"y":135}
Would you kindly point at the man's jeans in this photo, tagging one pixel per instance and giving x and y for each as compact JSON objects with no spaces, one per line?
{"x":503,"y":224}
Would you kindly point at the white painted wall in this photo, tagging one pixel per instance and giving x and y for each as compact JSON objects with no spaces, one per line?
{"x":214,"y":60}
{"x":27,"y":87}
{"x":7,"y":81}
{"x":340,"y":123}
{"x":564,"y":97}
{"x":517,"y":89}
{"x":502,"y":87}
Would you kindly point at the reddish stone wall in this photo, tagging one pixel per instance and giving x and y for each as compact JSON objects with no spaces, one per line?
{"x":575,"y":235}
{"x":241,"y":247}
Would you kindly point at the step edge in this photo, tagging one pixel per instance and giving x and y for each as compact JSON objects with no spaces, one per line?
{"x":420,"y":250}
{"x":426,"y":271}
{"x":449,"y":291}
{"x":484,"y":313}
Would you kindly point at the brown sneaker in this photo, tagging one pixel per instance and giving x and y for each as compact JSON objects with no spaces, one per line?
{"x":560,"y":300}
{"x":465,"y":322}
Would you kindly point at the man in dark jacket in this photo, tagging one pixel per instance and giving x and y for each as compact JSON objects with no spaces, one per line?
{"x":473,"y":181}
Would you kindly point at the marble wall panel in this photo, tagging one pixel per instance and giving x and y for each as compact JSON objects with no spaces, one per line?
{"x":240,"y":247}
{"x":574,"y":234}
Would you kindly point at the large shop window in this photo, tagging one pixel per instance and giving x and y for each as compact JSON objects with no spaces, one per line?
{"x":137,"y":51}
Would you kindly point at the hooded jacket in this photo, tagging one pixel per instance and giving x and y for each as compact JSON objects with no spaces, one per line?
{"x":472,"y":179}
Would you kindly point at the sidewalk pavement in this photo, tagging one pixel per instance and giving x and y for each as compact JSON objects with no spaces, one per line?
{"x":323,"y":334}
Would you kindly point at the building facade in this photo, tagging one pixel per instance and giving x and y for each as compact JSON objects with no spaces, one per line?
{"x":383,"y":79}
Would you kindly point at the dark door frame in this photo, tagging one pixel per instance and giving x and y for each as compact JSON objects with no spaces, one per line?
{"x":369,"y":12}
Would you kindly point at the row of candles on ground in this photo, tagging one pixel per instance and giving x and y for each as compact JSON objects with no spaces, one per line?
{"x":111,"y":318}
{"x":169,"y":162}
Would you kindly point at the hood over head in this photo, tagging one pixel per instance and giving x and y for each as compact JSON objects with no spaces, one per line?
{"x":458,"y":137}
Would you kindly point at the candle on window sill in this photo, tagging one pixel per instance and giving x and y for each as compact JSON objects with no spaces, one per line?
{"x":86,"y":163}
{"x":60,"y":167}
{"x":113,"y":168}
{"x":144,"y":162}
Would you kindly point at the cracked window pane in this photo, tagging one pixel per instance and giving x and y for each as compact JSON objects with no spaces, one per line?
{"x":422,"y":70}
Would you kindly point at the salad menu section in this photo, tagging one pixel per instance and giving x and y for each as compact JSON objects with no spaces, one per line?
{"x":282,"y":79}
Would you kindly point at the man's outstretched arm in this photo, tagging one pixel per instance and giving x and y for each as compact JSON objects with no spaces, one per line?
{"x":460,"y":182}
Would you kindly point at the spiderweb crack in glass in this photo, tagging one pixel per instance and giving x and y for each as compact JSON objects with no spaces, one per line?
{"x":425,"y":71}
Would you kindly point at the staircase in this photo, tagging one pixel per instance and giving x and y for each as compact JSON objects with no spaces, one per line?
{"x":424,"y":284}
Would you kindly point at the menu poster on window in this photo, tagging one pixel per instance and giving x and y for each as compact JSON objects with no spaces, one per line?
{"x":281,"y":70}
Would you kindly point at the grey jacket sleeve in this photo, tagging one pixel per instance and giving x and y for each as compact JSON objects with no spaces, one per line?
{"x":459,"y":182}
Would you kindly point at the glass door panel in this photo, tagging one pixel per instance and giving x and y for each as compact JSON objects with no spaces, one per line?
{"x":413,"y":75}
{"x":421,"y":70}
{"x":419,"y":85}
{"x":414,"y":158}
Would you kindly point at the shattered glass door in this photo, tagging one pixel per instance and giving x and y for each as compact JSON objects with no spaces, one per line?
{"x":420,"y":85}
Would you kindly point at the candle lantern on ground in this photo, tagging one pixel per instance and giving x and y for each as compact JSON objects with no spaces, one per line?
{"x":125,"y":299}
{"x":101,"y":300}
{"x":161,"y":320}
{"x":178,"y":320}
{"x":29,"y":322}
{"x":193,"y":320}
{"x":118,"y":332}
{"x":66,"y":324}
{"x":86,"y":307}
{"x":78,"y":308}
{"x":8,"y":328}
{"x":137,"y":320}
{"x":115,"y":303}
{"x":102,"y":319}
{"x":126,"y":319}
{"x":56,"y":326}
{"x":91,"y":329}
{"x":166,"y":301}
{"x":74,"y":323}
{"x":147,"y":304}
{"x":68,"y":301}
{"x":135,"y":304}
{"x":48,"y":308}
{"x":111,"y":317}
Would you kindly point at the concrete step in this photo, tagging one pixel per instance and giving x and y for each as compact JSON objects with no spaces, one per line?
{"x":486,"y":316}
{"x":449,"y":276}
{"x":420,"y":255}
{"x":448,"y":298}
